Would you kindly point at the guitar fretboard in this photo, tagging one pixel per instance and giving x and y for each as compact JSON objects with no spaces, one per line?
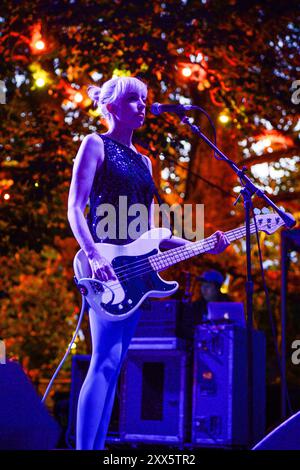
{"x":168,"y":258}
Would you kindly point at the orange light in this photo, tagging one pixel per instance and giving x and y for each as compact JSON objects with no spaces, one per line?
{"x":207,"y":375}
{"x":224,"y":118}
{"x":186,"y":72}
{"x":78,"y":97}
{"x":39,"y":45}
{"x":6,"y":196}
{"x":275,"y":139}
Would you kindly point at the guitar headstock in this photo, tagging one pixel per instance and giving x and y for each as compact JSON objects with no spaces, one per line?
{"x":269,"y":223}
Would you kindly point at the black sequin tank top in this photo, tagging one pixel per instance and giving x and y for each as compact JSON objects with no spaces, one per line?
{"x":123,"y":179}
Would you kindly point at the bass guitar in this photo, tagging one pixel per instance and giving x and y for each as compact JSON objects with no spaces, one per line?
{"x":137,"y":266}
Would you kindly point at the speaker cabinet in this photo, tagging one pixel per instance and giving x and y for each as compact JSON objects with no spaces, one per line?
{"x":165,"y":318}
{"x":25,"y":423}
{"x":153,"y":402}
{"x":220,"y":402}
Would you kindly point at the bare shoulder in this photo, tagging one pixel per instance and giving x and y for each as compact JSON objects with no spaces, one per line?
{"x":90,"y":154}
{"x":148,"y":162}
{"x":94,"y":144}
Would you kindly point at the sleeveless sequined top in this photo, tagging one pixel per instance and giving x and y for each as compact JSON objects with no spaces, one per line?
{"x":123,"y":179}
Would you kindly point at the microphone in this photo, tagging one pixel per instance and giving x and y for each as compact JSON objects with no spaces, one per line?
{"x":157,"y":108}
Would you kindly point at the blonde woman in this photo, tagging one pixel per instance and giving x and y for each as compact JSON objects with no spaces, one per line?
{"x":106,"y":167}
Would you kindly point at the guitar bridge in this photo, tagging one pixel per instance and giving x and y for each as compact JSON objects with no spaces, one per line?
{"x":96,"y":286}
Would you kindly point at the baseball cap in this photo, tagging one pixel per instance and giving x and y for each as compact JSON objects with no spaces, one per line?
{"x":211,"y":276}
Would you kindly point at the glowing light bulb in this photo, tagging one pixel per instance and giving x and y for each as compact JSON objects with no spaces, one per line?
{"x":6,"y":197}
{"x":224,"y":119}
{"x":186,"y":72}
{"x":78,"y":97}
{"x":40,"y":82}
{"x":39,"y":45}
{"x":40,"y":76}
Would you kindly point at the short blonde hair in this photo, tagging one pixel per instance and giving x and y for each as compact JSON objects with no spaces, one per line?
{"x":112,"y":90}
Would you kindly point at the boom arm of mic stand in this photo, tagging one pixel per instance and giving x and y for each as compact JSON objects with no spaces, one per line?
{"x":288,"y":219}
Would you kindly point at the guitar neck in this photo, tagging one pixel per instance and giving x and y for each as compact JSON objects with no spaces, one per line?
{"x":168,"y":258}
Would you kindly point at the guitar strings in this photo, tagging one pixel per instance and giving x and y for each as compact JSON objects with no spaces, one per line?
{"x":143,"y":267}
{"x":165,"y":256}
{"x":161,"y":257}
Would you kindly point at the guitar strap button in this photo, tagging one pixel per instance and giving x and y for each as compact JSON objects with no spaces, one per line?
{"x":82,"y":289}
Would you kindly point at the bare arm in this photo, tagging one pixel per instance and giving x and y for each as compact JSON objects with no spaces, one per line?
{"x":89,"y":156}
{"x":90,"y":150}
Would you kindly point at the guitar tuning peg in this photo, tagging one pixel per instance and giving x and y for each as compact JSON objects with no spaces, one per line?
{"x":256,"y":211}
{"x":265,"y":210}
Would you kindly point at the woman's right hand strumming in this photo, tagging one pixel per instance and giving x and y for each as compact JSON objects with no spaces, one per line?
{"x":101,"y":268}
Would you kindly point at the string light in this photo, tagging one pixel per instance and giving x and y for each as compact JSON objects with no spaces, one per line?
{"x":186,"y":71}
{"x":40,"y":82}
{"x":6,"y":196}
{"x":224,"y":118}
{"x":40,"y":76}
{"x":78,"y":97}
{"x":39,"y":45}
{"x":195,"y":71}
{"x":36,"y":41}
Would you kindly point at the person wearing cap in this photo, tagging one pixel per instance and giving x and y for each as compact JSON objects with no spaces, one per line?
{"x":211,"y":283}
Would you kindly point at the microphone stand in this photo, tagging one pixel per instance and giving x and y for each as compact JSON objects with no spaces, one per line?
{"x":248,"y":190}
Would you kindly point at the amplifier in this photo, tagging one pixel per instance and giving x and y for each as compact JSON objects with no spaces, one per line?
{"x":163,"y":351}
{"x":163,"y":318}
{"x":220,"y":402}
{"x":156,"y":343}
{"x":154,"y":397}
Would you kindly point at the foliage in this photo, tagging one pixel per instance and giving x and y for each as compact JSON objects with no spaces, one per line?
{"x":243,"y":60}
{"x":38,"y":311}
